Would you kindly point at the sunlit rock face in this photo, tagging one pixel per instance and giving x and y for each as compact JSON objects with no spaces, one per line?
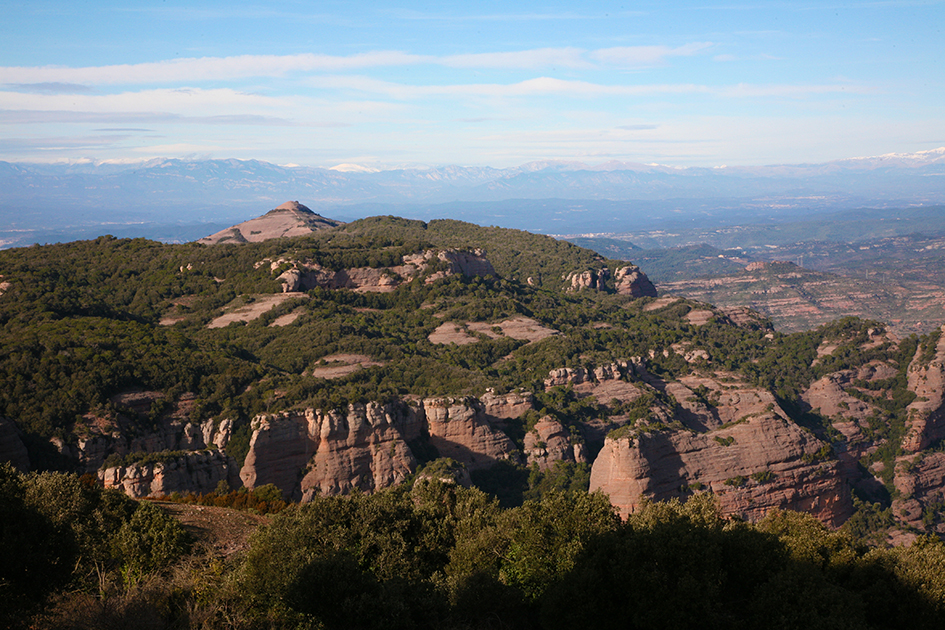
{"x":753,"y":467}
{"x":368,"y":447}
{"x":198,"y":472}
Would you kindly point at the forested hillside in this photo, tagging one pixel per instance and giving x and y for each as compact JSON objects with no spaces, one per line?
{"x":347,"y":359}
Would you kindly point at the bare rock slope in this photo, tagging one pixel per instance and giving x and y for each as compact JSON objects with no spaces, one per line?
{"x":289,"y":219}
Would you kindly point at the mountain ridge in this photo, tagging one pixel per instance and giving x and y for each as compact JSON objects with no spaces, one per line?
{"x":41,"y":196}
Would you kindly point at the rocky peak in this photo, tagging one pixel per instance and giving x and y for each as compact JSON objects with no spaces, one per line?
{"x":292,"y":206}
{"x":287,"y":220}
{"x":628,"y":280}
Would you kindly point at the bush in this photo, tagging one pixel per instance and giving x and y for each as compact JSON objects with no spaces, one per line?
{"x":150,"y":541}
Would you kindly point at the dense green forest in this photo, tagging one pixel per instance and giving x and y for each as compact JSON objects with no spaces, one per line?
{"x":79,"y":323}
{"x":435,"y":555}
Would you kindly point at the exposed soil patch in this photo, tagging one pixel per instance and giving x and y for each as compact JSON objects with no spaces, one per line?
{"x":660,"y":303}
{"x":225,"y":530}
{"x":522,"y":328}
{"x":261,"y":303}
{"x":699,"y":317}
{"x":526,"y":329}
{"x":489,"y":330}
{"x":449,"y":332}
{"x":338,"y":365}
{"x":286,"y":319}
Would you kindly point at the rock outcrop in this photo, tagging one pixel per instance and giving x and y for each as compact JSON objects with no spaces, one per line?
{"x":460,"y":430}
{"x":920,"y":482}
{"x":367,"y":447}
{"x":303,"y":276}
{"x":725,"y":436}
{"x":99,"y":436}
{"x":927,"y":411}
{"x":628,"y":280}
{"x":197,"y":472}
{"x":633,"y":282}
{"x":588,"y":279}
{"x":289,"y":219}
{"x":307,"y":453}
{"x":755,"y":466}
{"x":550,"y":442}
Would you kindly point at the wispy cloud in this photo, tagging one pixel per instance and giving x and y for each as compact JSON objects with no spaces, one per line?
{"x":743,"y":90}
{"x":37,"y":116}
{"x":205,"y":68}
{"x":524,"y":59}
{"x":646,"y":55}
{"x":50,"y":88}
{"x":530,"y":87}
{"x":185,"y":101}
{"x":62,"y":79}
{"x":47,"y":144}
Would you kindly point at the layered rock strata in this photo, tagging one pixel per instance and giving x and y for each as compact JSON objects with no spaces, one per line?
{"x":197,"y":472}
{"x":753,"y":467}
{"x":367,"y":447}
{"x":927,"y":411}
{"x":436,"y":264}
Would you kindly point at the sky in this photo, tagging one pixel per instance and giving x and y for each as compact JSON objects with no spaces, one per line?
{"x":500,"y":84}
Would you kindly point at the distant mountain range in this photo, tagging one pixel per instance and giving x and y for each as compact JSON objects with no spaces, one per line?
{"x":174,"y":199}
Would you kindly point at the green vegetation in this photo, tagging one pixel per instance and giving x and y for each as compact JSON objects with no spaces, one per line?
{"x":80,"y":324}
{"x":438,"y":555}
{"x":61,"y":533}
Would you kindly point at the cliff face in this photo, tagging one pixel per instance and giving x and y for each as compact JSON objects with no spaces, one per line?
{"x":124,"y":433}
{"x":629,"y":280}
{"x":920,"y":481}
{"x":927,"y":411}
{"x":549,"y":442}
{"x":655,"y":439}
{"x":436,"y":264}
{"x":311,"y":453}
{"x":197,"y":472}
{"x":764,"y":463}
{"x":726,"y":437}
{"x":461,"y":430}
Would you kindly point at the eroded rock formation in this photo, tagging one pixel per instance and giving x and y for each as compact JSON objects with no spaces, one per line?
{"x":289,"y":219}
{"x":632,"y":281}
{"x":367,"y":447}
{"x":550,"y":441}
{"x":927,"y":411}
{"x":763,"y":463}
{"x":303,"y":276}
{"x":199,"y":472}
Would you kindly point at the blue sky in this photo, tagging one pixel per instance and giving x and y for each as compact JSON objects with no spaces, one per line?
{"x":471,"y":83}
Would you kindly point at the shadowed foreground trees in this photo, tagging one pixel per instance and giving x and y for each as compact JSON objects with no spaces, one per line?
{"x":435,"y":555}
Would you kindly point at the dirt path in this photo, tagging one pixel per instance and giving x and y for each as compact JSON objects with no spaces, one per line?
{"x":227,"y":531}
